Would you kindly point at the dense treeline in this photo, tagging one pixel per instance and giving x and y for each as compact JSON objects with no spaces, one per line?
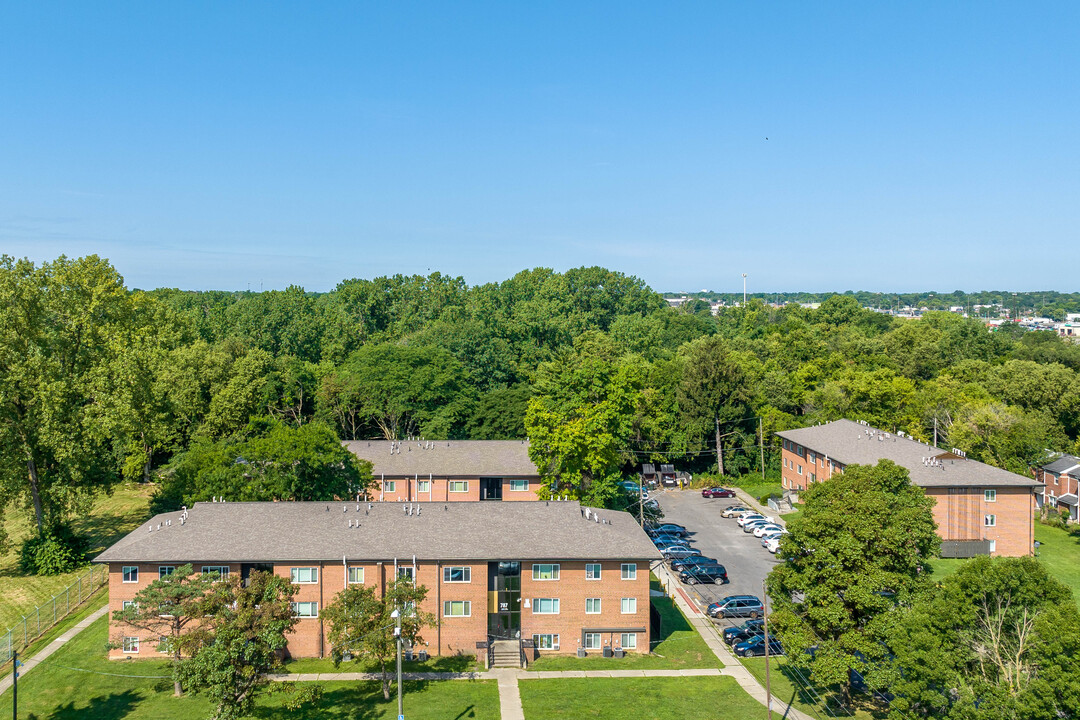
{"x":98,"y":382}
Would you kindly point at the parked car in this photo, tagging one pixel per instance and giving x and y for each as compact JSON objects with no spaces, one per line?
{"x":678,"y":564}
{"x":738,"y":633}
{"x":734,"y":511}
{"x":677,"y":551}
{"x":661,"y":540}
{"x":751,"y":525}
{"x":668,"y":529}
{"x":748,"y":517}
{"x":695,"y":574}
{"x":767,"y":527}
{"x":736,"y":606}
{"x":754,"y":646}
{"x":773,"y":544}
{"x":774,"y":535}
{"x":717,"y":492}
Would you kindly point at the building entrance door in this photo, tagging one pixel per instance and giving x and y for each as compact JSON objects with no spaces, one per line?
{"x":491,"y":488}
{"x":504,"y":600}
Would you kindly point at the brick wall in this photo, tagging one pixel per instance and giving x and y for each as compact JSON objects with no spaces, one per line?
{"x":410,"y":489}
{"x":961,"y":514}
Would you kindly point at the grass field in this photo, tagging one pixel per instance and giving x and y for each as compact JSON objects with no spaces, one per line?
{"x":788,"y":686}
{"x":55,"y":690}
{"x":655,"y":698}
{"x":111,"y":518}
{"x":680,"y":646}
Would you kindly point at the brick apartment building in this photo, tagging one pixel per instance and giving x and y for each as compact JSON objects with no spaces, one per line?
{"x":1061,"y":484}
{"x":449,"y":470}
{"x":979,"y":509}
{"x":558,"y":573}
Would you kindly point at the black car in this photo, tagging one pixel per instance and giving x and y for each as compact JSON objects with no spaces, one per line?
{"x":694,"y":574}
{"x":756,"y":646}
{"x":737,"y":606}
{"x":738,"y":633}
{"x":679,"y":563}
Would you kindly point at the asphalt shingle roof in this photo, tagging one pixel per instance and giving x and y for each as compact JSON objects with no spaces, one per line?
{"x":290,"y":531}
{"x":1064,"y":464}
{"x":446,"y":458}
{"x":852,"y":443}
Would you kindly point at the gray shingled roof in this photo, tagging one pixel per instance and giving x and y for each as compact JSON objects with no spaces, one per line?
{"x":446,"y":458}
{"x":313,"y":531}
{"x":852,"y":443}
{"x":1066,"y":464}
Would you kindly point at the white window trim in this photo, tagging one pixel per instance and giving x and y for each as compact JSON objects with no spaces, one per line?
{"x":130,"y":603}
{"x":124,"y":572}
{"x":294,"y":574}
{"x":165,"y":571}
{"x":296,"y":609}
{"x":134,"y":642}
{"x":599,"y":571}
{"x":519,"y":489}
{"x":554,"y":641}
{"x":221,"y":570}
{"x":389,"y":486}
{"x":989,"y":520}
{"x":448,"y":604}
{"x":599,"y":604}
{"x":633,"y":604}
{"x":990,"y":495}
{"x":555,"y":604}
{"x":628,"y":646}
{"x":599,"y":641}
{"x":349,"y":574}
{"x":463,"y":483}
{"x":633,"y":571}
{"x":554,"y":572}
{"x":407,"y":571}
{"x":466,"y":572}
{"x":423,"y":486}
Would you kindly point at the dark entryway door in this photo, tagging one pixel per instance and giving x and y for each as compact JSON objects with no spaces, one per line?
{"x":491,"y":488}
{"x":504,"y":600}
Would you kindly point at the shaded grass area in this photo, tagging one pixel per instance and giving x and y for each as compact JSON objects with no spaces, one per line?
{"x":680,"y":646}
{"x":793,"y":688}
{"x":54,"y":690}
{"x":657,"y":698}
{"x":92,"y":603}
{"x":111,"y":517}
{"x":449,"y":663}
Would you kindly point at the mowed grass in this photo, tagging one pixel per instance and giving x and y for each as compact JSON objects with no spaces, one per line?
{"x":111,"y":517}
{"x":655,"y":698}
{"x":792,"y":688}
{"x":57,"y":691}
{"x":448,"y":663}
{"x":680,"y":646}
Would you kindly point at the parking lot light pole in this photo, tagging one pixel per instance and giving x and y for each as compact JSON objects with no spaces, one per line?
{"x":765,"y":616}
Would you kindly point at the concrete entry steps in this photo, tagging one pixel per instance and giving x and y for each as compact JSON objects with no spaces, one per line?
{"x":506,"y":654}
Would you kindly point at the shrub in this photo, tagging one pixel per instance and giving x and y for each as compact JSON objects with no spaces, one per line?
{"x":52,"y":553}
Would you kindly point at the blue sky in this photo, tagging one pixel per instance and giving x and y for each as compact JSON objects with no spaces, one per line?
{"x":910,"y":146}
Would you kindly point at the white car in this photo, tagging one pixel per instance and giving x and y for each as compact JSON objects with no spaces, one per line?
{"x":743,"y":519}
{"x":773,"y":544}
{"x":772,"y":534}
{"x":762,"y":529}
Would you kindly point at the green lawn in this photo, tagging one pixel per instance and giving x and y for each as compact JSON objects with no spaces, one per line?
{"x":59,"y":693}
{"x":790,"y":687}
{"x":92,"y":603}
{"x":655,"y":698}
{"x":110,"y":519}
{"x":450,"y":663}
{"x":680,"y":646}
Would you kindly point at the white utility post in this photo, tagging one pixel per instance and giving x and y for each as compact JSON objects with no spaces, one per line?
{"x":744,"y":289}
{"x":397,"y":633}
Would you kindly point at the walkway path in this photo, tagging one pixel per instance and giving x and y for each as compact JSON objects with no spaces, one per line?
{"x":30,"y":664}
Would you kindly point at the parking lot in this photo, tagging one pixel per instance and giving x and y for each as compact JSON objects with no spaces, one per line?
{"x":746,"y":561}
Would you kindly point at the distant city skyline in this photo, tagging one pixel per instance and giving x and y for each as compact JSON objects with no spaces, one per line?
{"x":817,"y":147}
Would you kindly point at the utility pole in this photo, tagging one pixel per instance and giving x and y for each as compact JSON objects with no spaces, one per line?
{"x":641,"y":501}
{"x":761,"y":444}
{"x":935,"y":430}
{"x":765,"y":615}
{"x":397,"y":634}
{"x":719,"y":449}
{"x":744,"y":289}
{"x":15,"y":685}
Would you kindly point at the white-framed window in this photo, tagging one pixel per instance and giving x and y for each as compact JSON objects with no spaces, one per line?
{"x":519,"y":485}
{"x":457,"y":608}
{"x":459,"y":486}
{"x":990,"y":495}
{"x":222,"y":571}
{"x":799,"y":469}
{"x":407,"y":571}
{"x":990,"y":520}
{"x":131,"y":573}
{"x":305,"y":609}
{"x":629,"y":606}
{"x":389,"y":486}
{"x":165,"y":571}
{"x":592,"y":606}
{"x":813,"y":477}
{"x":593,"y":641}
{"x":356,"y":575}
{"x":131,"y":645}
{"x":592,"y":571}
{"x":131,"y":603}
{"x":993,"y":545}
{"x":423,"y":486}
{"x":546,"y":642}
{"x":628,"y":641}
{"x":543,"y":571}
{"x":545,"y":606}
{"x":457,"y":574}
{"x":629,"y":571}
{"x":1055,"y":479}
{"x":305,"y":575}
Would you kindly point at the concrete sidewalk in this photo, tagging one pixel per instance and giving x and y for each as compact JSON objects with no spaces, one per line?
{"x":31,"y":663}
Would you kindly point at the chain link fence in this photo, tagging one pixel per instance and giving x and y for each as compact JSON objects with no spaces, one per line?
{"x":38,"y":622}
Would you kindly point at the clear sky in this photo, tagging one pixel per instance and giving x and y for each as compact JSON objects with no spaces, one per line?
{"x":814,"y":145}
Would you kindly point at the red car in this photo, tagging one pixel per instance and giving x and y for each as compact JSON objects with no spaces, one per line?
{"x":717,"y":492}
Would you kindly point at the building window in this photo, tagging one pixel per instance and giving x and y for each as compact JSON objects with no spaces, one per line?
{"x":305,"y":575}
{"x":629,"y":606}
{"x":131,"y":644}
{"x":165,"y":571}
{"x":546,"y":606}
{"x":812,"y":458}
{"x":1055,"y":479}
{"x":545,"y":572}
{"x":592,"y":571}
{"x":131,"y":603}
{"x":457,"y":608}
{"x":592,"y":606}
{"x":993,"y":545}
{"x":459,"y":486}
{"x":356,"y":575}
{"x":592,"y":641}
{"x":389,"y":486}
{"x":423,"y":486}
{"x":990,"y":495}
{"x":407,"y":571}
{"x":457,"y":574}
{"x":546,"y":642}
{"x":519,"y":485}
{"x":990,"y":520}
{"x":305,"y":609}
{"x":222,"y":571}
{"x":628,"y":641}
{"x":799,"y":469}
{"x":813,"y":477}
{"x":131,"y":573}
{"x":629,"y":571}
